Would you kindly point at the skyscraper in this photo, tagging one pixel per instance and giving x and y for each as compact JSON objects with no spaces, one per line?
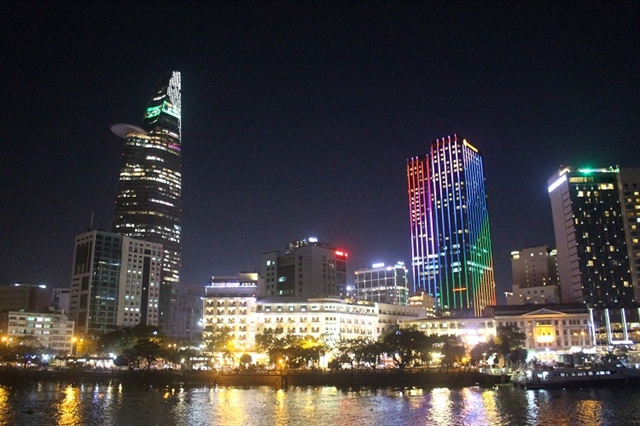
{"x":596,"y":218}
{"x":148,"y":206}
{"x":450,"y":240}
{"x":115,"y":282}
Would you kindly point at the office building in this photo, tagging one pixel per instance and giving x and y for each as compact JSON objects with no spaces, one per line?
{"x":383,"y":284}
{"x":186,"y":313}
{"x":148,"y":205}
{"x":308,"y":268}
{"x":60,"y":300}
{"x":595,"y":218}
{"x":115,"y":282}
{"x":450,"y":239}
{"x":535,"y":276}
{"x":28,"y":297}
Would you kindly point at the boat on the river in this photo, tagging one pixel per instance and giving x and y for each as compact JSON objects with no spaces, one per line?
{"x":602,"y":375}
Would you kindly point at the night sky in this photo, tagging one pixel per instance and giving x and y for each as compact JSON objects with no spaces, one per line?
{"x":298,"y":118}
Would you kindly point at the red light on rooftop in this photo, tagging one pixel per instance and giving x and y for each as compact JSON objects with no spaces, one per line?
{"x":341,"y":253}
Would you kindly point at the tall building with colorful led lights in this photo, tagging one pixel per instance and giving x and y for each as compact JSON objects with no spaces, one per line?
{"x":148,"y":206}
{"x":596,"y":218}
{"x":451,"y":251}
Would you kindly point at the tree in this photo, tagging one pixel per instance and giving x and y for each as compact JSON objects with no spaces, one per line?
{"x":508,"y":338}
{"x":121,"y":361}
{"x":371,"y":353}
{"x":125,"y":338}
{"x":266,"y":341}
{"x":405,"y":345}
{"x":453,"y":351}
{"x":26,"y":350}
{"x":518,"y":356}
{"x":294,"y":350}
{"x":217,"y":339}
{"x":145,"y":350}
{"x":246,"y":360}
{"x":481,"y":352}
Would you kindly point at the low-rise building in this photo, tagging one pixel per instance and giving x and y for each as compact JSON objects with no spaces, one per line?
{"x":471,"y":330}
{"x":549,"y":330}
{"x":231,"y":303}
{"x":53,"y":331}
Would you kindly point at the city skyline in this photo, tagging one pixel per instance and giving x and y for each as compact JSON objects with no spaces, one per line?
{"x":300,"y":119}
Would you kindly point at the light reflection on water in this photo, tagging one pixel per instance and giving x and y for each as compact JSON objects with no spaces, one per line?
{"x":50,"y":404}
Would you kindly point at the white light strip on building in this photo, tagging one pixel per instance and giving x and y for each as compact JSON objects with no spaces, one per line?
{"x":557,"y":183}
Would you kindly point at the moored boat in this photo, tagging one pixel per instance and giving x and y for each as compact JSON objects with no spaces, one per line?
{"x":602,"y":375}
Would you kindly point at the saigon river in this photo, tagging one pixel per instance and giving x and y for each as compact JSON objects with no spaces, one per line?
{"x":43,"y":404}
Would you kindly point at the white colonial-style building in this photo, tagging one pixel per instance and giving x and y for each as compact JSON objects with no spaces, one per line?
{"x":549,"y":330}
{"x":231,"y":303}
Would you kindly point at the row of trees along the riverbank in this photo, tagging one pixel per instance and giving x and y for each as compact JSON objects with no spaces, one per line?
{"x":144,"y":347}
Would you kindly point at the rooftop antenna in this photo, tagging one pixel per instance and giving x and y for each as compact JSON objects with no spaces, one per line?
{"x":91,"y":222}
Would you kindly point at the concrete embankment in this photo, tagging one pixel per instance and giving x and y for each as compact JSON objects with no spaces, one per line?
{"x":341,"y":379}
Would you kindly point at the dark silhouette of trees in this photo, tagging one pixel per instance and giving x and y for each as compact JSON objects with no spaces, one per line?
{"x":508,"y":339}
{"x":453,"y":351}
{"x":404,"y":346}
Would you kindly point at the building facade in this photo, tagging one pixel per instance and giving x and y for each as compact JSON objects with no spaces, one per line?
{"x":470,"y":330}
{"x":595,"y":217}
{"x":307,"y":269}
{"x":451,"y":250}
{"x":28,"y":297}
{"x":383,"y":284}
{"x":53,"y":331}
{"x":550,"y":330}
{"x":232,"y":305}
{"x":149,"y":201}
{"x":535,"y":276}
{"x":230,"y":302}
{"x":115,"y":282}
{"x":60,"y":299}
{"x":186,"y":313}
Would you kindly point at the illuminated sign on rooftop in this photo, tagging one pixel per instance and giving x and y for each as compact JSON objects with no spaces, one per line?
{"x":233,"y":285}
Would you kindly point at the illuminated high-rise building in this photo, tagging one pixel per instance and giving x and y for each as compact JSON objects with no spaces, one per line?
{"x":450,"y":240}
{"x":596,"y":218}
{"x":308,"y":268}
{"x":115,"y":282}
{"x":383,"y":284}
{"x":148,"y":206}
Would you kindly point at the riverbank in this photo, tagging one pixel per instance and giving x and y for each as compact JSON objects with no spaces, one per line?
{"x":341,"y":379}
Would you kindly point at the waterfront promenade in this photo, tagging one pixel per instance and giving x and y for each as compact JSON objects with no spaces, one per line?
{"x":276,"y":379}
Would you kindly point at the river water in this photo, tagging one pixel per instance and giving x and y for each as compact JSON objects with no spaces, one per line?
{"x":42,"y":404}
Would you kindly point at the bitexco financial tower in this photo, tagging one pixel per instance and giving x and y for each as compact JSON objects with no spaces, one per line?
{"x":148,"y":205}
